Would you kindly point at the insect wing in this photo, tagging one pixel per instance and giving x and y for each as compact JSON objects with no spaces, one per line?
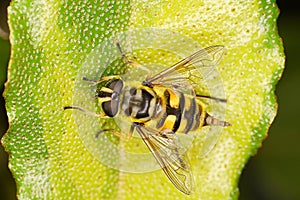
{"x":177,"y":76}
{"x":170,"y":157}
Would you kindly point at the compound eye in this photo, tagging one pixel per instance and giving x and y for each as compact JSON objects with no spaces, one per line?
{"x":110,"y":108}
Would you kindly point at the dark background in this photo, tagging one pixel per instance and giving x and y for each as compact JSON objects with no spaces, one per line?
{"x":274,"y":173}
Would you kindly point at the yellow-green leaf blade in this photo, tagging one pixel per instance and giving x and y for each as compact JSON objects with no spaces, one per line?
{"x":48,"y":157}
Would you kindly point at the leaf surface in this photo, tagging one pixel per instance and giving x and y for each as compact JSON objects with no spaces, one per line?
{"x":51,"y":44}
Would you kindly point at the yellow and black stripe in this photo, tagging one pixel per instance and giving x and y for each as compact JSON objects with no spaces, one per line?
{"x":156,"y":106}
{"x":163,"y":109}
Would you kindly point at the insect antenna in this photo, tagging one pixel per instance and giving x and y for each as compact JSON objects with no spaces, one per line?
{"x":83,"y":110}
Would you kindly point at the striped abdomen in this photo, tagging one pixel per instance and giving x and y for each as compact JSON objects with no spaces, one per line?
{"x":182,"y":114}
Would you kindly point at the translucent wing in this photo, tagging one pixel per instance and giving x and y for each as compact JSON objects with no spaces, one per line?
{"x":210,"y":141}
{"x":170,"y":156}
{"x":178,"y":75}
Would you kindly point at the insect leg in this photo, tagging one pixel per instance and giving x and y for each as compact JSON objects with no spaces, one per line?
{"x":116,"y":133}
{"x":124,"y":57}
{"x":212,"y":98}
{"x":102,"y":115}
{"x":105,"y":78}
{"x":133,"y":125}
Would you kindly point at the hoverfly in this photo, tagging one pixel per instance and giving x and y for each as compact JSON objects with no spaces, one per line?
{"x":159,"y":108}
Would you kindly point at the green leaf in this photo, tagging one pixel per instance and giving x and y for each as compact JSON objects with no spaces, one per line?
{"x":53,"y":46}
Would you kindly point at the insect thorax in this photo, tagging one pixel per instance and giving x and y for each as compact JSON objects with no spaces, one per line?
{"x":140,"y":103}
